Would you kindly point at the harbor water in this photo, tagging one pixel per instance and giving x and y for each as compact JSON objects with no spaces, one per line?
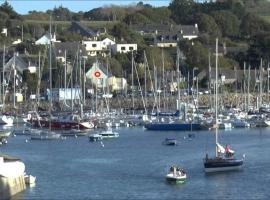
{"x":134,"y":166}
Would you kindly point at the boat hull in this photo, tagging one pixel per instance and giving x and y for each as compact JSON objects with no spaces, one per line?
{"x":176,"y":179}
{"x":220,"y":165}
{"x":62,"y":124}
{"x":173,"y":126}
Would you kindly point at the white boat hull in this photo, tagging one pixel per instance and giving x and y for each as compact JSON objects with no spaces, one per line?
{"x":6,"y":120}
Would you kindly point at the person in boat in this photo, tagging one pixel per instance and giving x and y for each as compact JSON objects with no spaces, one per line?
{"x":228,"y":152}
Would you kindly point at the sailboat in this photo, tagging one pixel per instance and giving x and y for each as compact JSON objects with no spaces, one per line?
{"x":173,"y":124}
{"x":47,"y":134}
{"x":224,"y":159}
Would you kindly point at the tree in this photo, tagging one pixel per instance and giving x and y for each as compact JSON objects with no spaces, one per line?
{"x":61,"y":14}
{"x":252,"y":25}
{"x":182,"y":11}
{"x":136,"y":18}
{"x":196,"y":54}
{"x":207,"y":24}
{"x":227,"y":22}
{"x":7,"y":8}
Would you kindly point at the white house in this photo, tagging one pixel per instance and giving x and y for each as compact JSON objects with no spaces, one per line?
{"x":98,"y":47}
{"x":4,"y":31}
{"x":93,"y":47}
{"x":123,"y":48}
{"x":107,"y":42}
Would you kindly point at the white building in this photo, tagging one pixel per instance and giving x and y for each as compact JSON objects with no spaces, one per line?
{"x":94,"y":48}
{"x":61,"y":94}
{"x":116,"y":84}
{"x":4,"y":31}
{"x":123,"y":48}
{"x":107,"y":42}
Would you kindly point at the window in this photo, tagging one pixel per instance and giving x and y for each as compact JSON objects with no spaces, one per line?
{"x":123,"y":48}
{"x":94,"y":45}
{"x":130,"y":48}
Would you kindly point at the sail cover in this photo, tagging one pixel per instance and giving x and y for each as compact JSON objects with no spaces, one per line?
{"x":220,"y":148}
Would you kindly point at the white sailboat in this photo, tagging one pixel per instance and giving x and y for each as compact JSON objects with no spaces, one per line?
{"x":6,"y":119}
{"x":47,"y":134}
{"x":224,"y":159}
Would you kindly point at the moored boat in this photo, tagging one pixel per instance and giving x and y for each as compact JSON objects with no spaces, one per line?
{"x":108,"y":134}
{"x":67,"y":122}
{"x":95,"y":137}
{"x":175,"y":126}
{"x":170,"y":141}
{"x":45,"y":135}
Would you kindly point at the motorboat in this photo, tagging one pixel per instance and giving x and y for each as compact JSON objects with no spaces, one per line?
{"x":176,"y":175}
{"x":95,"y":137}
{"x":44,"y":135}
{"x":170,"y":141}
{"x":109,"y":134}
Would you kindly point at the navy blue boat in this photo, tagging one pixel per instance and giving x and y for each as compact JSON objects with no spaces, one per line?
{"x":184,"y":126}
{"x":167,"y":114}
{"x":222,"y":164}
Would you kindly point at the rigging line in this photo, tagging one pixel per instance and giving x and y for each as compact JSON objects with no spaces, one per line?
{"x":135,"y":66}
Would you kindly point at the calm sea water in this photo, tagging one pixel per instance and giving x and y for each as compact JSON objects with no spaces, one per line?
{"x":134,"y":165}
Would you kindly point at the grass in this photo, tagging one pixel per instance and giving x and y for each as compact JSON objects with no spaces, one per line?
{"x":95,"y":24}
{"x":266,"y":17}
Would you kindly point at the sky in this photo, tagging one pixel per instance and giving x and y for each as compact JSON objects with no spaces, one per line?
{"x":23,"y":6}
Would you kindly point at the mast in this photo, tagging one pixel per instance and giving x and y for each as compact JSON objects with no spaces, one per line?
{"x":84,"y":80}
{"x":4,"y":93}
{"x":216,"y":96}
{"x":178,"y":78}
{"x":50,"y":72}
{"x":14,"y":81}
{"x":260,"y":97}
{"x":132,"y":81}
{"x":248,"y":84}
{"x":268,"y":81}
{"x":65,"y":77}
{"x":245,"y":96}
{"x":209,"y":80}
{"x":163,"y":79}
{"x":38,"y":90}
{"x":145,"y":82}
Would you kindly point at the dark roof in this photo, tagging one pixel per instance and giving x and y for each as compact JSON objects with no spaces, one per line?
{"x":170,"y":37}
{"x":78,"y":28}
{"x":71,"y":49}
{"x":22,"y":62}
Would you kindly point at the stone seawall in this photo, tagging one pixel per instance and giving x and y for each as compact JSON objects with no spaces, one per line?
{"x":11,"y":186}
